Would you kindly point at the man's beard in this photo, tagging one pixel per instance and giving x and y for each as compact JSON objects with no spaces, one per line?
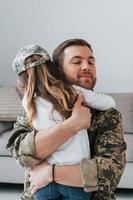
{"x":88,"y":83}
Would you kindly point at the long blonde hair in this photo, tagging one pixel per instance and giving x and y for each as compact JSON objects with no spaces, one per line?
{"x":47,"y":82}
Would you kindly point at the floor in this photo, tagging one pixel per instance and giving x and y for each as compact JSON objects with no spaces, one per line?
{"x":12,"y":192}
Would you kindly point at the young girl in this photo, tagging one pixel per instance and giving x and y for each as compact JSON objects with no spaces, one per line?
{"x":48,"y":100}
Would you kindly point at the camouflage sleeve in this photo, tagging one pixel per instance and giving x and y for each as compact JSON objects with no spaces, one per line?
{"x":21,"y":142}
{"x":103,"y":172}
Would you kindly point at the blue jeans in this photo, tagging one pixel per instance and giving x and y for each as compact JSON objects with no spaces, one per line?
{"x":55,"y":191}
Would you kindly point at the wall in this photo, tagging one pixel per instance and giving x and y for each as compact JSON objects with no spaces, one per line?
{"x":106,"y":24}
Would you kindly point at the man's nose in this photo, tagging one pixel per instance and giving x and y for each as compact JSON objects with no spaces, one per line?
{"x":85,"y":66}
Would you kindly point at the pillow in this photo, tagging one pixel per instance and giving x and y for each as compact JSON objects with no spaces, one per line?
{"x":127,"y":121}
{"x":5,"y":126}
{"x":124,"y":103}
{"x":10,"y":103}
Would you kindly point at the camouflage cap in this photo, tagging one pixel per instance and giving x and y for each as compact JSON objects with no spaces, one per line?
{"x":29,"y":50}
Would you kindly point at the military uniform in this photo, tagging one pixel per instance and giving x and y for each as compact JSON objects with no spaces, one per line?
{"x":102,"y":173}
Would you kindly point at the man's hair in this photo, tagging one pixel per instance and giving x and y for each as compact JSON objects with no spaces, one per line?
{"x":58,"y":53}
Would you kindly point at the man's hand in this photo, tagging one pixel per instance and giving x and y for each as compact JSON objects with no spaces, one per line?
{"x":81,"y":115}
{"x":40,"y":176}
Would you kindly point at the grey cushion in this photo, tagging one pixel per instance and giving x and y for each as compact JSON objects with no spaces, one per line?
{"x":127,"y":121}
{"x":129,"y":152}
{"x":124,"y":103}
{"x":10,"y":172}
{"x":127,"y":178}
{"x":10,"y":103}
{"x":5,"y":126}
{"x":3,"y":141}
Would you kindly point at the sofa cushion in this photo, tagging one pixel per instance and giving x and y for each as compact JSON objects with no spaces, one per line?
{"x":127,"y":122}
{"x":3,"y":141}
{"x":129,"y":141}
{"x":127,"y":179}
{"x":10,"y":172}
{"x":124,"y":103}
{"x":5,"y":126}
{"x":10,"y":103}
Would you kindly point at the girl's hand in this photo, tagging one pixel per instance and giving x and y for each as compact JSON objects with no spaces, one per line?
{"x":81,"y":115}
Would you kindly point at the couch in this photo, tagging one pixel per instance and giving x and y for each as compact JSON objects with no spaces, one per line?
{"x":10,"y":105}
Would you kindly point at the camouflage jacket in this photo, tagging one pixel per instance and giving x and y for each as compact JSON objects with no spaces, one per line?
{"x":101,"y":174}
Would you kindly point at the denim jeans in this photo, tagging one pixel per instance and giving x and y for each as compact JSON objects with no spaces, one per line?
{"x":54,"y":191}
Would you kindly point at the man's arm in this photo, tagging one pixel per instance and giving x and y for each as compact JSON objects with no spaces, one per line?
{"x":21,"y":142}
{"x":31,"y":147}
{"x":102,"y":173}
{"x":95,"y":100}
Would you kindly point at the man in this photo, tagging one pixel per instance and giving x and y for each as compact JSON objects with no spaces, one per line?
{"x":101,"y":173}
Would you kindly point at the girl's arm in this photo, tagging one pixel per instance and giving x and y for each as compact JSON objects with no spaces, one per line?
{"x":96,"y":100}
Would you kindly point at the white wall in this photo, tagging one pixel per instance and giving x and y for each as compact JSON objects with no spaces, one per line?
{"x":106,"y":24}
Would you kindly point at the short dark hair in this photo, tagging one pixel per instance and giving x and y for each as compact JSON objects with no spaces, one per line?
{"x":58,"y":53}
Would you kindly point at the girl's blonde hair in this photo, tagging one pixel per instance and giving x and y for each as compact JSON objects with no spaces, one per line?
{"x":47,"y":82}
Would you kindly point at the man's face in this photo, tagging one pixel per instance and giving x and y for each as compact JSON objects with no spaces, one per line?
{"x":79,"y":66}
